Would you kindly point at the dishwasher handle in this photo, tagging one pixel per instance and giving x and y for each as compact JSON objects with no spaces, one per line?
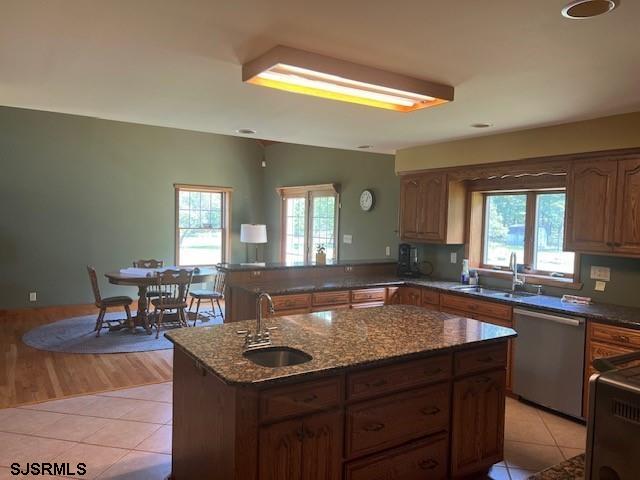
{"x":571,"y":321}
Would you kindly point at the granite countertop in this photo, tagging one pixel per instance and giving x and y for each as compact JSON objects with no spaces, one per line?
{"x":603,"y":312}
{"x":232,"y":267}
{"x":336,"y":340}
{"x":572,"y":469}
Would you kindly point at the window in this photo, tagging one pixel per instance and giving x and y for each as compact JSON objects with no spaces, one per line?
{"x":530,"y":224}
{"x":309,"y":219}
{"x":202,"y":225}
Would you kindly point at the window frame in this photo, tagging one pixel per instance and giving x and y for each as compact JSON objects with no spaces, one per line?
{"x":308,"y":192}
{"x":529,"y":233}
{"x":226,"y":219}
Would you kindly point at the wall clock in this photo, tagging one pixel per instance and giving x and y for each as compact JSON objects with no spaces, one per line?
{"x":367,"y":200}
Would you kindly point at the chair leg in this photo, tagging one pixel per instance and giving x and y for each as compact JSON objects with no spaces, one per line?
{"x":183,"y":317}
{"x":129,"y":319}
{"x":220,"y":307}
{"x":191,"y":303}
{"x":99,"y":321}
{"x":159,"y":323}
{"x":197,"y":310}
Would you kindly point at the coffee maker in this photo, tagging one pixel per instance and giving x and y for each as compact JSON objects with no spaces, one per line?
{"x":408,"y":261}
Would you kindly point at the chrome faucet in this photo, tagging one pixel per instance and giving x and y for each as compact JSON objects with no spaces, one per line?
{"x":262,"y":336}
{"x":513,"y":266}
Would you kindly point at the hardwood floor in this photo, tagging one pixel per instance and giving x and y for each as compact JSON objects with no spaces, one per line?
{"x":28,"y":375}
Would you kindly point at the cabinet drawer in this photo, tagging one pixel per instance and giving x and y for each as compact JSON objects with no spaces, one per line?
{"x":479,"y":359}
{"x":330,"y":298}
{"x":290,"y":302}
{"x":300,"y":399}
{"x":395,"y":419}
{"x":430,"y":297}
{"x":618,"y":335}
{"x":471,"y":305}
{"x":416,"y":461}
{"x":369,"y":295}
{"x":380,"y":381}
{"x":367,"y":305}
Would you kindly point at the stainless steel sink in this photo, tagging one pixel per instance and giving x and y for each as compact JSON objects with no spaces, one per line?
{"x":475,"y":289}
{"x":277,"y":356}
{"x":518,"y":294}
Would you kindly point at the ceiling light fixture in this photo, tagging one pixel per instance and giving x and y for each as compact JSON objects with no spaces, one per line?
{"x":482,"y":125}
{"x":246,"y":131}
{"x":582,"y":9}
{"x":297,"y":71}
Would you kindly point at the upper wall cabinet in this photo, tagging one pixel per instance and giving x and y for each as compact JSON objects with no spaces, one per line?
{"x":432,"y":209}
{"x":603,"y":207}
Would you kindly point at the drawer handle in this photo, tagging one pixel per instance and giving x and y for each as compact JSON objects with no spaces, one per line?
{"x":373,"y":427}
{"x":428,"y":411}
{"x":483,"y":380}
{"x":308,"y":399}
{"x":435,"y":371}
{"x":621,"y":338}
{"x":488,"y":359}
{"x":377,"y":383}
{"x":428,"y":464}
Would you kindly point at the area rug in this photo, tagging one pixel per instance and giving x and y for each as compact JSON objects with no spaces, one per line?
{"x":76,"y":335}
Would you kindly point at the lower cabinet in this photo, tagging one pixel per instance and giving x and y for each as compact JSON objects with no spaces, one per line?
{"x":478,"y":422}
{"x":410,"y":296}
{"x":309,"y":448}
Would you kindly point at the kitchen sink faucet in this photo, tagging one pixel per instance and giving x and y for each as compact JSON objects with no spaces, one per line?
{"x":262,"y":336}
{"x":515,"y":280}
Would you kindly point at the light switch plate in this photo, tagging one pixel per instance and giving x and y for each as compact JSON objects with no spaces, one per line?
{"x":454,"y":257}
{"x":33,"y":296}
{"x":347,"y":238}
{"x":600,"y":273}
{"x":387,"y":251}
{"x":600,"y":286}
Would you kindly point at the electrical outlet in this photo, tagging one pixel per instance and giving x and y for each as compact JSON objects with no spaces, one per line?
{"x":347,"y":238}
{"x":454,"y":257}
{"x":600,"y":286}
{"x":33,"y":296}
{"x":387,"y":251}
{"x":600,"y":273}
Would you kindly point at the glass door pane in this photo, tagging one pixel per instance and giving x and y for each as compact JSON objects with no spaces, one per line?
{"x":548,"y":253}
{"x":295,"y":221}
{"x":323,"y":225}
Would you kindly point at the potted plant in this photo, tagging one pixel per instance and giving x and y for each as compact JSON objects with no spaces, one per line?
{"x":321,"y":255}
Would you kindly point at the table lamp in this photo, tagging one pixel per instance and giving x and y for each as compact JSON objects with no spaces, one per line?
{"x":252,"y":233}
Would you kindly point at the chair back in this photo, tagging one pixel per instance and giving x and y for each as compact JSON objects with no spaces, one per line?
{"x":219,"y":282}
{"x":151,"y":263}
{"x":172,"y":286}
{"x":94,"y":284}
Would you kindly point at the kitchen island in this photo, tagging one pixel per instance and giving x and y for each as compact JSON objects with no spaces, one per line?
{"x":396,"y":392}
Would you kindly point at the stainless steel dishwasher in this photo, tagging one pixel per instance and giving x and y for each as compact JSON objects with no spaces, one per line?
{"x":549,"y":360}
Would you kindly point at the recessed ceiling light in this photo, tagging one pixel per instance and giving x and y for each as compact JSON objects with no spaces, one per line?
{"x":482,"y":125}
{"x":364,"y":147}
{"x":581,"y":9}
{"x":246,"y":131}
{"x":297,"y":71}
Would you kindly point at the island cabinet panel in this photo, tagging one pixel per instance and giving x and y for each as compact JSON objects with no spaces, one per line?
{"x":384,"y":380}
{"x":410,"y":296}
{"x":284,"y":304}
{"x":387,"y":422}
{"x":424,"y":459}
{"x":280,"y":454}
{"x":479,"y":359}
{"x":331,"y":298}
{"x":473,"y":305}
{"x":300,"y":399}
{"x":478,"y":422}
{"x":368,"y":295}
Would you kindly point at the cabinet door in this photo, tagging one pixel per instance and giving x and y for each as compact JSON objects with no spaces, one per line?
{"x":322,"y":447}
{"x":280,"y":451}
{"x":591,"y":206}
{"x":409,"y":201}
{"x":627,"y":226}
{"x":410,"y":296}
{"x":478,"y":422}
{"x":432,"y":209}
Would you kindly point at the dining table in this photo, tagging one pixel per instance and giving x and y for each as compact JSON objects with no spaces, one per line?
{"x":143,"y":278}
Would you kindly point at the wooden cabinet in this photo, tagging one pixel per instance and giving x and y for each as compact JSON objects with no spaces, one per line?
{"x":306,"y":449}
{"x":477,"y":422}
{"x":369,"y":295}
{"x":410,"y":296}
{"x":603,"y":207}
{"x":432,"y":208}
{"x":290,"y":304}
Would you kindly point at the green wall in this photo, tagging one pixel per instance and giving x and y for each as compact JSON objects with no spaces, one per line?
{"x":292,"y":165}
{"x":78,"y":190}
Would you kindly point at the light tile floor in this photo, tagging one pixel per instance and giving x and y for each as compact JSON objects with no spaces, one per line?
{"x":126,"y":434}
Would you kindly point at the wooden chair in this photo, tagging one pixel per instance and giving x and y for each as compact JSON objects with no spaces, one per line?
{"x":151,"y":263}
{"x":104,"y":303}
{"x":172,"y":287}
{"x":214,"y":295}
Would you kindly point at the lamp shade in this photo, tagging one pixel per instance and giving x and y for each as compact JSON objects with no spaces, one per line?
{"x":250,"y":233}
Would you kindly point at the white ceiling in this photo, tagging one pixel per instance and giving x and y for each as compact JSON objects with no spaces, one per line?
{"x":177,"y":63}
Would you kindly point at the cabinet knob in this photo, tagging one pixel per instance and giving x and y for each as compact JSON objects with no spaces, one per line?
{"x":429,"y":464}
{"x":307,"y":399}
{"x":428,"y":411}
{"x":373,"y":427}
{"x":377,"y":383}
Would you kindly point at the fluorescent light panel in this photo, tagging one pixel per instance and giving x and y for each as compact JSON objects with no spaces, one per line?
{"x":281,"y":69}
